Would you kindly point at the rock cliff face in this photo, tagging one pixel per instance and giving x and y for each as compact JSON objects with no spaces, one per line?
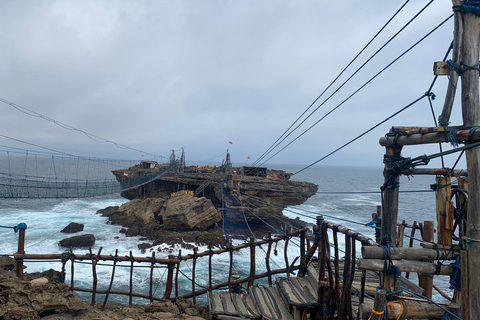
{"x":262,"y":196}
{"x":180,"y":218}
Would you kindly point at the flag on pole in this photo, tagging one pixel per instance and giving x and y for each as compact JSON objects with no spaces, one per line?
{"x":230,"y":142}
{"x":125,"y":173}
{"x":248,"y":158}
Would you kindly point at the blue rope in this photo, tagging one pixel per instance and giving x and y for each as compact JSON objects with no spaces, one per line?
{"x":20,"y":226}
{"x":455,"y":277}
{"x":433,"y":302}
{"x":453,"y":138}
{"x":373,"y":222}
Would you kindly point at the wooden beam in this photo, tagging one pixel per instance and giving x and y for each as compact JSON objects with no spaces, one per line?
{"x":453,"y":75}
{"x":417,"y":254}
{"x":415,"y":310}
{"x":405,"y":265}
{"x":435,"y":137}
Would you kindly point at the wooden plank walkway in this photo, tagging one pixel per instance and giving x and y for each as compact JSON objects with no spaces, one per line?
{"x":292,"y":298}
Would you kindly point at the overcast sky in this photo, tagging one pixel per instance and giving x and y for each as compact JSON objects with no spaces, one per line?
{"x":161,"y":75}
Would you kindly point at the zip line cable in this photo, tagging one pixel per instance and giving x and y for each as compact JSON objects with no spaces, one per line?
{"x":345,"y":82}
{"x":71,"y":128}
{"x":360,"y":88}
{"x":334,"y":80}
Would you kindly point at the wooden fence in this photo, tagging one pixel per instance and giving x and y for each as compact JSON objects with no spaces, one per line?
{"x":172,"y":263}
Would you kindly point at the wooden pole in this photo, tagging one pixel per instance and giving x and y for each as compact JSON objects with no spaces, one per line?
{"x":418,"y":254}
{"x":169,"y":285}
{"x":21,"y":250}
{"x":176,"y":271}
{"x":390,"y":209}
{"x":303,"y":265}
{"x":410,"y":243}
{"x":210,"y":256}
{"x":444,"y":214}
{"x":469,"y":56}
{"x":285,"y":251}
{"x":194,"y":265}
{"x":130,"y":297}
{"x":444,"y":118}
{"x":251,"y":278}
{"x":378,"y":305}
{"x":267,"y":259}
{"x":425,"y":281}
{"x":111,"y":280}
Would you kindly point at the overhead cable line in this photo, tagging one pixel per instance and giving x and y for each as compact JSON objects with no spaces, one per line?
{"x":341,"y":86}
{"x":71,"y":128}
{"x":331,"y":83}
{"x":426,"y":94}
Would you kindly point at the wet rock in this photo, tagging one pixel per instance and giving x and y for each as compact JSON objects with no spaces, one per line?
{"x":86,"y":240}
{"x":144,"y":246}
{"x":73,"y":227}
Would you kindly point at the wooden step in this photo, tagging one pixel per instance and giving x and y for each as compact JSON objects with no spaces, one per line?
{"x":233,"y":305}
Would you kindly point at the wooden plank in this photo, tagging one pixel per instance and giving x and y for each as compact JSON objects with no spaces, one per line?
{"x":215,"y":303}
{"x":441,"y":68}
{"x":240,"y":304}
{"x":228,"y":306}
{"x":270,"y":304}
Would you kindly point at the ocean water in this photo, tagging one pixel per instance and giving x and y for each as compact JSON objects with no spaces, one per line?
{"x":346,"y":195}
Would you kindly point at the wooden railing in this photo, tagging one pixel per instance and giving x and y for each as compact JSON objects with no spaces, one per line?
{"x":172,"y":263}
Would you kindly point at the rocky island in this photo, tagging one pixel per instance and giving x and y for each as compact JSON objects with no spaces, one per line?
{"x":184,"y":204}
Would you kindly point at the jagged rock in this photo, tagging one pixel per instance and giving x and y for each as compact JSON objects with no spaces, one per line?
{"x":186,"y":212}
{"x":144,"y":246}
{"x":86,"y":240}
{"x":73,"y":227}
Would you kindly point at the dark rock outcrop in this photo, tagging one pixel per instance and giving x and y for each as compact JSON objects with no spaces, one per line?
{"x":73,"y":227}
{"x":178,"y":219}
{"x":86,"y":240}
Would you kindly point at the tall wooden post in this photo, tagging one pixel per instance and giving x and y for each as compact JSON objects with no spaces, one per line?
{"x":21,"y":250}
{"x":390,"y":209}
{"x":471,"y":117}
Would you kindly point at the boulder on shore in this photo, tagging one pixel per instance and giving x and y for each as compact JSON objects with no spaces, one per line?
{"x":86,"y":240}
{"x":73,"y":227}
